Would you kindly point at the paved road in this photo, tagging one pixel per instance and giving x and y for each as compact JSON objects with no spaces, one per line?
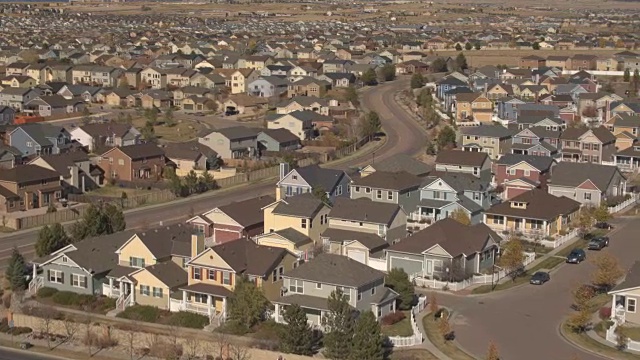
{"x":12,"y":354}
{"x":403,"y":136}
{"x":524,"y":321}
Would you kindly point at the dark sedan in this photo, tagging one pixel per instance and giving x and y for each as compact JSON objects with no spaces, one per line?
{"x":598,"y":243}
{"x":540,"y":278}
{"x":576,"y":256}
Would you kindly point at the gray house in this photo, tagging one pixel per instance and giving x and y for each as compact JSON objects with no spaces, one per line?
{"x":277,"y":140}
{"x":39,"y":138}
{"x":587,"y":183}
{"x":305,"y":179}
{"x":310,"y":284}
{"x":268,"y":86}
{"x":389,"y":221}
{"x":7,"y":115}
{"x":399,"y":188}
{"x":446,"y":250}
{"x":233,"y":142}
{"x":444,"y":193}
{"x":15,"y":98}
{"x":81,"y":267}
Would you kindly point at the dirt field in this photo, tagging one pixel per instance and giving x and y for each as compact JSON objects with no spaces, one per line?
{"x":184,"y":130}
{"x":477,"y":58}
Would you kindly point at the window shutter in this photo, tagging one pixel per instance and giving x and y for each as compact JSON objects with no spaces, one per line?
{"x":215,"y":275}
{"x":140,"y":289}
{"x":230,"y":279}
{"x":48,"y":275}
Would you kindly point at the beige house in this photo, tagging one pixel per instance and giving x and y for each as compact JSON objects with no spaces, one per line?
{"x":626,"y":296}
{"x":495,"y":140}
{"x":155,"y":284}
{"x":303,"y":213}
{"x":238,"y":79}
{"x":290,"y":239}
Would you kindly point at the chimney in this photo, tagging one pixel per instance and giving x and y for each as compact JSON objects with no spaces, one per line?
{"x":197,"y":245}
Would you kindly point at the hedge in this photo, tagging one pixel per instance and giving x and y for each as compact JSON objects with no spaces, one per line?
{"x":144,"y":313}
{"x":188,"y":319}
{"x":46,"y":292}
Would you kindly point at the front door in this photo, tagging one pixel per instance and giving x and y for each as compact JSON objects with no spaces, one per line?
{"x":517,"y":224}
{"x":429,"y":267}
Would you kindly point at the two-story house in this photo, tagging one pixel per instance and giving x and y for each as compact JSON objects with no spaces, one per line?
{"x":299,"y":123}
{"x":95,"y":136}
{"x":310,"y":284}
{"x":537,"y":141}
{"x":27,"y":187}
{"x":39,"y":138}
{"x":495,"y":140}
{"x":625,"y":128}
{"x":588,"y":145}
{"x":469,"y":162}
{"x":398,"y":163}
{"x":304,"y":213}
{"x":76,"y":171}
{"x":233,"y":142}
{"x":267,"y":86}
{"x":587,"y":183}
{"x":240,"y":219}
{"x":311,"y":103}
{"x":307,"y":179}
{"x":516,"y":173}
{"x":474,"y":107}
{"x":17,"y":97}
{"x":134,"y":162}
{"x":534,"y":213}
{"x":398,"y":188}
{"x":446,"y":250}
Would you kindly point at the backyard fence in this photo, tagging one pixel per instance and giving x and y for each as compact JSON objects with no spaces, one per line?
{"x":623,"y":205}
{"x":494,"y":278}
{"x":560,"y":240}
{"x":417,"y":337}
{"x":130,"y":201}
{"x":612,"y":337}
{"x":59,"y":216}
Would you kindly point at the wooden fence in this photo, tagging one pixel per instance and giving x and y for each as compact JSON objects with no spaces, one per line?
{"x":59,"y":216}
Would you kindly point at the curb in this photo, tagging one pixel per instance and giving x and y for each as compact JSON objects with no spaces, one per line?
{"x":561,"y":334}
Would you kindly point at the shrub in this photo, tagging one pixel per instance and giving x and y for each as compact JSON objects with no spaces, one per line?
{"x":141,"y":312}
{"x":100,"y":341}
{"x":394,"y":317}
{"x":189,"y":320}
{"x":19,"y":330}
{"x":605,"y":313}
{"x":46,"y":292}
{"x":68,"y":298}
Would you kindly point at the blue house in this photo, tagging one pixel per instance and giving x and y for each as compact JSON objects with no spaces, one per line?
{"x":305,"y":179}
{"x":7,"y":115}
{"x":448,"y":83}
{"x":40,"y":138}
{"x":508,"y":108}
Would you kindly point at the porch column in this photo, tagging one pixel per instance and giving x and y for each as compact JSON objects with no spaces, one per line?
{"x":184,"y":297}
{"x":111,"y":286}
{"x":35,"y":271}
{"x":224,"y":307}
{"x":133,"y":294}
{"x":613,"y":307}
{"x":277,"y":312}
{"x":545,"y":230}
{"x":209,"y":301}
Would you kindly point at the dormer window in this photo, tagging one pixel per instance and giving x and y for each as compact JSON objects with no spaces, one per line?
{"x":518,"y":205}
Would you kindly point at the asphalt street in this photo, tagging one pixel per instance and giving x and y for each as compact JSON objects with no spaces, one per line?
{"x":11,"y":354}
{"x":524,"y":321}
{"x":404,"y":136}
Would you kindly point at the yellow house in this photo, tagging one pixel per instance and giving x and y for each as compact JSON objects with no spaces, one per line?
{"x":626,"y":129}
{"x":533,"y":213}
{"x":290,"y":239}
{"x":155,"y":284}
{"x":19,"y":81}
{"x":214,"y":272}
{"x":303,"y":213}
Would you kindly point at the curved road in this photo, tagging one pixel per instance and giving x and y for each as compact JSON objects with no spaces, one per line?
{"x":404,"y":136}
{"x":524,"y":321}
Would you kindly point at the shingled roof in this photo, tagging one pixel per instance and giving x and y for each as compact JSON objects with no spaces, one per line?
{"x":336,"y":270}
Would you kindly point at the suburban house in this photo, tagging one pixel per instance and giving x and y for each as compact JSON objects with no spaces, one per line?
{"x":7,"y":115}
{"x":76,"y":171}
{"x":495,"y":140}
{"x":277,"y":140}
{"x":474,"y":107}
{"x":310,"y":285}
{"x":53,"y":105}
{"x":588,"y":145}
{"x":214,"y":272}
{"x":307,"y":179}
{"x":234,"y":142}
{"x":241,"y":219}
{"x":534,"y":213}
{"x":95,"y":136}
{"x":27,"y":187}
{"x":625,"y":297}
{"x":39,"y":138}
{"x":303,"y":213}
{"x":587,"y":183}
{"x":299,"y":103}
{"x":517,"y":173}
{"x":134,"y":162}
{"x":17,"y":97}
{"x":296,"y":242}
{"x":398,"y":163}
{"x":469,"y":162}
{"x":9,"y":157}
{"x":625,"y":128}
{"x":399,"y":188}
{"x":299,"y":123}
{"x":446,"y":251}
{"x":156,"y":284}
{"x":185,"y":157}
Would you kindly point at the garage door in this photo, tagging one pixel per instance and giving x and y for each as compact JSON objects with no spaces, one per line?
{"x":357,"y":255}
{"x":409,"y":266}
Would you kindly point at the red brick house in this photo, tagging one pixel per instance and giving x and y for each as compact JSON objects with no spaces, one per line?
{"x":517,"y":174}
{"x":242,"y":219}
{"x":133,"y":162}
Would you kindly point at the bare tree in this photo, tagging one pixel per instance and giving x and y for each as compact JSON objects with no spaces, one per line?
{"x":88,"y":334}
{"x":131,"y":334}
{"x":47,"y":315}
{"x":221,"y":342}
{"x":70,"y":329}
{"x":237,"y":352}
{"x":192,"y":348}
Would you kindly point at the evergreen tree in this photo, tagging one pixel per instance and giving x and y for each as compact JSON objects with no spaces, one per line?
{"x":369,"y":77}
{"x":297,"y":337}
{"x":446,"y":138}
{"x":247,"y":306}
{"x":477,"y":46}
{"x":50,"y":239}
{"x":352,"y":95}
{"x":461,"y":62}
{"x":388,"y":72}
{"x":321,"y":194}
{"x":191,"y":182}
{"x":168,"y":118}
{"x":417,"y":81}
{"x":458,"y":47}
{"x":340,"y":325}
{"x":206,"y":181}
{"x":398,"y":280}
{"x":536,"y":46}
{"x":627,"y":75}
{"x":114,"y":217}
{"x":16,"y":271}
{"x":468,"y":46}
{"x":439,"y":65}
{"x":98,"y":220}
{"x":367,"y":339}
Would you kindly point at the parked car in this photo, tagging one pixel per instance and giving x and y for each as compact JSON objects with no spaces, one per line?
{"x":576,"y":256}
{"x":598,"y":243}
{"x":540,"y":278}
{"x":603,"y":225}
{"x":231,"y":112}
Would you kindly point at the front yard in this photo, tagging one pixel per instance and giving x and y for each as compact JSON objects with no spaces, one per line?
{"x":412,"y":354}
{"x":90,"y":303}
{"x":449,"y":348}
{"x":152,"y":314}
{"x":401,"y":328}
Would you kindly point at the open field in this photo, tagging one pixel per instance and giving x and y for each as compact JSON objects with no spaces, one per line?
{"x":184,"y":130}
{"x":478,"y":58}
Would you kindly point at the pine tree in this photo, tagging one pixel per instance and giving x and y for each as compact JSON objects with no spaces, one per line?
{"x":114,"y":217}
{"x":98,"y":220}
{"x":369,"y":77}
{"x":16,"y":271}
{"x":417,"y":81}
{"x":50,"y":239}
{"x":247,"y":305}
{"x":340,"y":325}
{"x":191,"y":182}
{"x":626,"y":76}
{"x":367,"y":339}
{"x":461,"y":62}
{"x":398,"y":281}
{"x":297,"y":337}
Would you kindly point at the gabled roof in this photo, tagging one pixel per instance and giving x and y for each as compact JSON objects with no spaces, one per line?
{"x":246,"y":257}
{"x":248,"y":212}
{"x":281,"y":135}
{"x":402,"y":162}
{"x":459,"y":157}
{"x":602,"y":133}
{"x":140,"y":151}
{"x":318,"y":177}
{"x":399,"y":181}
{"x":631,"y":280}
{"x":304,"y":205}
{"x":373,"y":242}
{"x":166,"y":241}
{"x":541,"y":163}
{"x":540,"y":205}
{"x":27,"y":173}
{"x":238,"y":132}
{"x":495,"y":131}
{"x":573,"y":174}
{"x":169,"y":273}
{"x":336,"y":270}
{"x":292,"y":235}
{"x":364,"y":210}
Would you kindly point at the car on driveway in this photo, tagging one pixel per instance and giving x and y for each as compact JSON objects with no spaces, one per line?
{"x":576,"y":256}
{"x":598,"y":243}
{"x":603,"y":225}
{"x":540,"y":278}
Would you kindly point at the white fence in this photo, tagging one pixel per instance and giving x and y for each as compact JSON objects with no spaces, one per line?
{"x":612,"y":337}
{"x":561,"y":240}
{"x":474,"y":280}
{"x":624,"y":204}
{"x":417,"y":337}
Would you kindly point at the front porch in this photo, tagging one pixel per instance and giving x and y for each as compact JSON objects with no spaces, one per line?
{"x":203,"y":299}
{"x":518,"y":225}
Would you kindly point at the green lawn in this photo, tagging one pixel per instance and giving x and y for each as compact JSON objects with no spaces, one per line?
{"x":401,"y":328}
{"x":632,"y":332}
{"x":412,"y":354}
{"x":448,"y":348}
{"x":583,"y":340}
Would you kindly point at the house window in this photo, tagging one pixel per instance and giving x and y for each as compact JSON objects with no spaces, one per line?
{"x":200,"y":298}
{"x":527,"y":173}
{"x":389,"y":195}
{"x":436,"y":194}
{"x":136,"y":262}
{"x":197,"y":273}
{"x":29,"y":144}
{"x":631,"y":305}
{"x":157,"y":292}
{"x":357,"y":189}
{"x":378,"y":194}
{"x":476,"y":196}
{"x":226,"y":278}
{"x":145,"y":290}
{"x":303,"y":223}
{"x":56,"y":277}
{"x":587,"y":196}
{"x":595,"y":147}
{"x":373,"y":291}
{"x":339,"y":190}
{"x":345,"y":292}
{"x":367,"y":190}
{"x":512,"y":172}
{"x":359,"y":296}
{"x":78,"y":281}
{"x":318,"y":286}
{"x":296,"y":286}
{"x":536,"y":224}
{"x":121,"y":162}
{"x":277,"y":274}
{"x":211,"y":275}
{"x":498,"y":220}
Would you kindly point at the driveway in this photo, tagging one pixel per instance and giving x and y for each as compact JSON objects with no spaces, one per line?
{"x":523,"y":321}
